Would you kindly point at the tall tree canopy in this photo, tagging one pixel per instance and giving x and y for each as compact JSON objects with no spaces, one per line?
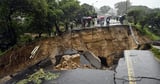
{"x":105,"y":9}
{"x":70,"y":9}
{"x":122,"y":7}
{"x":87,"y":10}
{"x":146,"y":17}
{"x":16,"y":15}
{"x":37,"y":16}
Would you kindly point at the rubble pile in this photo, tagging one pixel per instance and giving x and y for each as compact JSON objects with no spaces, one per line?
{"x":68,"y":62}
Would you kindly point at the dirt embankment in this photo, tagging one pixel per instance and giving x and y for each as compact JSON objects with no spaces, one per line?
{"x":101,"y":41}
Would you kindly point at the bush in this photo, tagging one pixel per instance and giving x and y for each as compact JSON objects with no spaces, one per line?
{"x":146,"y":31}
{"x":25,"y":39}
{"x":156,"y":52}
{"x":1,"y":52}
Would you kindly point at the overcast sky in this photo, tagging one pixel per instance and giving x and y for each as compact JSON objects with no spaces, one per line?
{"x":99,"y":3}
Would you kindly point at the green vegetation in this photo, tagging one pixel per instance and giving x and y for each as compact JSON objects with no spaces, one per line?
{"x":104,"y":9}
{"x":146,"y":20}
{"x":37,"y":16}
{"x":156,"y":52}
{"x":145,"y":31}
{"x":122,"y":7}
{"x":38,"y":76}
{"x":1,"y":53}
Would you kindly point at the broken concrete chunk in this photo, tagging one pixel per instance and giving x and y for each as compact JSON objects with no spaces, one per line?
{"x":44,"y":63}
{"x":65,"y":58}
{"x":69,"y":62}
{"x":76,"y":58}
{"x":5,"y":79}
{"x":84,"y":61}
{"x":70,"y":52}
{"x":94,"y":60}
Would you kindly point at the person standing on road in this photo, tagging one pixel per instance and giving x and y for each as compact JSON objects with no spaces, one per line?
{"x":121,"y":19}
{"x":107,"y":21}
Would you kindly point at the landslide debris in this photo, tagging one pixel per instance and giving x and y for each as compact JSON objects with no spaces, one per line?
{"x":69,"y":62}
{"x":103,"y":43}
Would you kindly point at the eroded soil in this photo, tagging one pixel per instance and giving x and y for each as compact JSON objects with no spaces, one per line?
{"x":101,"y":41}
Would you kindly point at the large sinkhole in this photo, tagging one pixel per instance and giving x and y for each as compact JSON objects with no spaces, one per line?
{"x":72,"y":59}
{"x":95,"y":49}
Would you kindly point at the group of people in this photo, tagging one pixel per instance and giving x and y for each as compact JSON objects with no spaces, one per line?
{"x":102,"y":20}
{"x":88,"y":21}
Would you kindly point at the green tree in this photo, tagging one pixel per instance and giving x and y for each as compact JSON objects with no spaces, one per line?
{"x":70,"y":9}
{"x":54,"y":15}
{"x":122,"y":7}
{"x":86,"y":10}
{"x":16,"y":14}
{"x":153,"y":21}
{"x":135,"y":14}
{"x":39,"y":9}
{"x":105,"y":9}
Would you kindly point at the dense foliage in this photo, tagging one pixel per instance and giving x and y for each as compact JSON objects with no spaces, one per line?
{"x":104,"y":9}
{"x":122,"y":7}
{"x":18,"y":17}
{"x":146,"y":17}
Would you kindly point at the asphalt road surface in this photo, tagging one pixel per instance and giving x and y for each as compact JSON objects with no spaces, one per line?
{"x":85,"y":76}
{"x":138,"y":67}
{"x":112,"y":22}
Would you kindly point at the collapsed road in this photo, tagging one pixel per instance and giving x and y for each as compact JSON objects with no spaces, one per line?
{"x":106,"y":44}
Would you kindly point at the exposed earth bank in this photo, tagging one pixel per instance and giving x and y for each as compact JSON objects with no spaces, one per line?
{"x":103,"y":42}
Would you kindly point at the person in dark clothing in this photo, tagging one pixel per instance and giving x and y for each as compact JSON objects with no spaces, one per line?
{"x":107,"y":21}
{"x":121,"y":19}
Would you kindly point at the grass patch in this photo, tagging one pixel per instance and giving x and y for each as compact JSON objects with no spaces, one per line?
{"x":1,"y":53}
{"x":156,"y":52}
{"x":38,"y":77}
{"x":151,"y":35}
{"x":146,"y":31}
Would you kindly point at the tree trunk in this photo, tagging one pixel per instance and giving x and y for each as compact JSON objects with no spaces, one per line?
{"x":142,"y":27}
{"x":66,"y":26}
{"x":57,"y":28}
{"x":49,"y":31}
{"x":11,"y":30}
{"x":40,"y":34}
{"x":135,"y":20}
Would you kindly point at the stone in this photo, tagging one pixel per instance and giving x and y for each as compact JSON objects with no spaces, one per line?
{"x":94,"y":60}
{"x":70,"y":52}
{"x":76,"y":58}
{"x":5,"y":79}
{"x":44,"y":63}
{"x":110,"y":60}
{"x":83,"y":60}
{"x":69,"y":62}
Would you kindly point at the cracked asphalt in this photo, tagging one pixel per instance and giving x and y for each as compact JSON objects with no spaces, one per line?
{"x":145,"y":68}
